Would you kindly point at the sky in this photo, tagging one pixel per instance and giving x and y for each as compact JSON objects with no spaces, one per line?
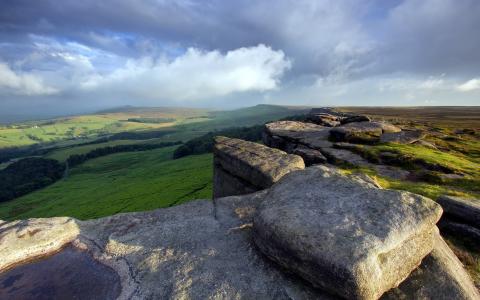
{"x":69,"y":56}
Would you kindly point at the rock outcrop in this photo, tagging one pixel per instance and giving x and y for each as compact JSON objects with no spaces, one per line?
{"x":441,"y":276}
{"x":204,"y":249}
{"x":362,"y":132}
{"x":242,"y":167}
{"x":343,"y":234}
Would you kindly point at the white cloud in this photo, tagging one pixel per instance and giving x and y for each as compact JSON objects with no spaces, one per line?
{"x":471,"y":85}
{"x":196,"y":74}
{"x":22,"y":83}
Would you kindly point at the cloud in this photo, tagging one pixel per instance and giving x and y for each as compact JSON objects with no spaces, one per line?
{"x":471,"y":85}
{"x":196,"y":74}
{"x":22,"y":83}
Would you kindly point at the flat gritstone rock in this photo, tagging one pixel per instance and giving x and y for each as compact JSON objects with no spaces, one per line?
{"x":342,"y":233}
{"x":69,"y":274}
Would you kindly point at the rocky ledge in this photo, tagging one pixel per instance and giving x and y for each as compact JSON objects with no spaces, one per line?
{"x":316,"y":234}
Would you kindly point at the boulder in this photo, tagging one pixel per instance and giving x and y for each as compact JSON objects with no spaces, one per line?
{"x":324,"y":119}
{"x":343,"y":234}
{"x":291,"y":132}
{"x":466,"y":211}
{"x":402,"y":137}
{"x":237,"y":162}
{"x":440,"y":276}
{"x":310,"y":156}
{"x":362,"y":132}
{"x":355,"y":118}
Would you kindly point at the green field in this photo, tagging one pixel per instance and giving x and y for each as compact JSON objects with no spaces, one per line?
{"x":123,"y":182}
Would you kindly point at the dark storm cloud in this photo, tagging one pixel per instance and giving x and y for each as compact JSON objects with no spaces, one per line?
{"x":337,"y":48}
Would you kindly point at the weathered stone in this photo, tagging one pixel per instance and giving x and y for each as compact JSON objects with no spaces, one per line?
{"x":355,"y":118}
{"x":26,"y":239}
{"x":339,"y":156}
{"x":457,"y":229}
{"x":324,"y":119}
{"x":402,"y":137}
{"x":309,"y":134}
{"x":203,"y":250}
{"x":191,"y":251}
{"x":343,"y":234}
{"x":226,"y":184}
{"x":440,"y":276}
{"x":362,"y":132}
{"x":463,"y":210}
{"x":310,"y":156}
{"x":257,"y":164}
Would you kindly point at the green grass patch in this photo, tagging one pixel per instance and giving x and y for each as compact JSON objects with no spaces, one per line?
{"x":123,"y":182}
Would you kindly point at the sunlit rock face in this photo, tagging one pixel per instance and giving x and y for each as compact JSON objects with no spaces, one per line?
{"x":69,"y":274}
{"x":242,"y":167}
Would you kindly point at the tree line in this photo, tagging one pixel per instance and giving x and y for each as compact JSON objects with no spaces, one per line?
{"x":76,"y":159}
{"x":33,"y":173}
{"x":204,"y":143}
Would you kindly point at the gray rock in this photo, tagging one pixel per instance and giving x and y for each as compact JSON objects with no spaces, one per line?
{"x":464,"y":210}
{"x":403,"y":137}
{"x":310,"y":156}
{"x":200,"y":250}
{"x":340,"y":156}
{"x":226,"y":184}
{"x":467,"y":232}
{"x":343,"y":234}
{"x":254,"y":163}
{"x":440,"y":277}
{"x":355,"y":118}
{"x":308,"y":134}
{"x":182,"y":252}
{"x":324,"y":119}
{"x":362,"y":132}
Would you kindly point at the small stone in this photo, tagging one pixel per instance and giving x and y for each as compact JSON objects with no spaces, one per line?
{"x":310,"y":156}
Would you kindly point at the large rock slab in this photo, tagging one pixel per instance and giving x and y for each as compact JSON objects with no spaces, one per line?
{"x":441,"y":276}
{"x":281,"y":134}
{"x":343,"y":234}
{"x":362,"y":132}
{"x":403,"y":137}
{"x":237,"y":162}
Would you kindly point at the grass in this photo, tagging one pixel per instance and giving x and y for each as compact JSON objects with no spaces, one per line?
{"x":123,"y":182}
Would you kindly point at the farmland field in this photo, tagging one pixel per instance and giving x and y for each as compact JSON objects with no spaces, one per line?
{"x":122,"y":182}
